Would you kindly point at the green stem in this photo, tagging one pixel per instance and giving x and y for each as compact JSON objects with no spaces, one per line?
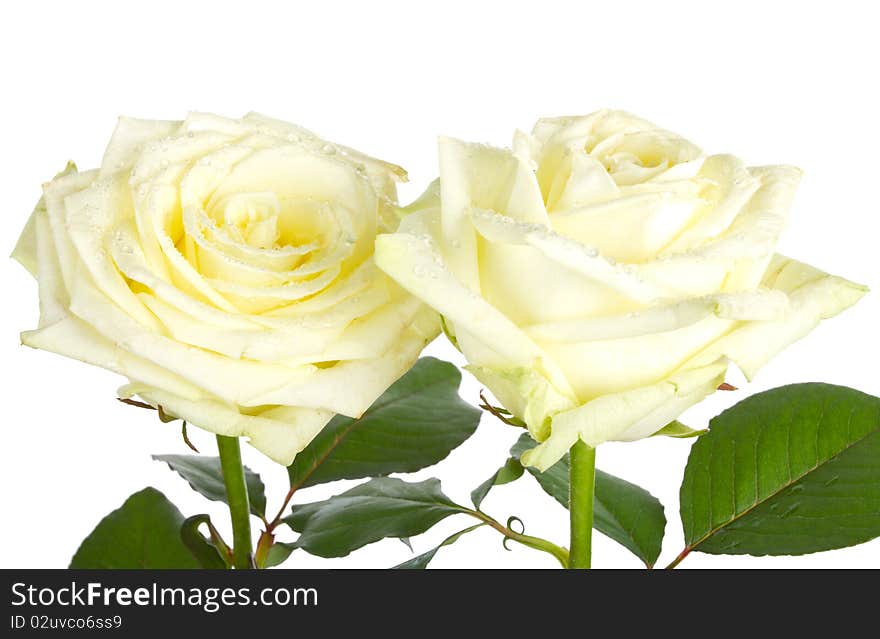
{"x":237,"y":497}
{"x":537,"y":543}
{"x":684,"y":553}
{"x":582,"y":481}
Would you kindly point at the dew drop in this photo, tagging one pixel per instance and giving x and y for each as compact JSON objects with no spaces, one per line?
{"x":328,"y":149}
{"x":797,"y":488}
{"x":832,"y":480}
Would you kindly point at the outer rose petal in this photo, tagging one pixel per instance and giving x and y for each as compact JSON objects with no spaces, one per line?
{"x":415,"y":264}
{"x":25,"y":251}
{"x":74,"y":338}
{"x":350,"y":387}
{"x":128,"y":138}
{"x":526,"y":394}
{"x":627,"y":415}
{"x":813,"y":296}
{"x":279,"y":433}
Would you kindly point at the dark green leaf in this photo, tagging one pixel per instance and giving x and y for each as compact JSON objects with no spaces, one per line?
{"x":511,"y":471}
{"x":414,"y":424}
{"x":789,"y":471}
{"x":421,"y":561}
{"x":380,"y":508}
{"x":626,"y":513}
{"x":143,"y":533}
{"x":205,"y":476}
{"x":202,"y":548}
{"x":278,"y":553}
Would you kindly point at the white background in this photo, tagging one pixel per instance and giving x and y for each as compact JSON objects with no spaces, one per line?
{"x":782,"y":82}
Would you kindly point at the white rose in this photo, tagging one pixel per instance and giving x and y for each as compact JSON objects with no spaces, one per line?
{"x":226,"y":268}
{"x":599,"y":277}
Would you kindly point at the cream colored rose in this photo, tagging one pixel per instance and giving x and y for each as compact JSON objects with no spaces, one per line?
{"x":226,"y":268}
{"x":599,"y":277}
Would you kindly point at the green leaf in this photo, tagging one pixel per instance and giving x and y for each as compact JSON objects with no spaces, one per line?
{"x":205,"y":552}
{"x":789,"y":471}
{"x":416,"y":423}
{"x":143,"y":533}
{"x":421,"y":562}
{"x":511,"y":471}
{"x":679,"y":431}
{"x":205,"y":476}
{"x":626,"y":513}
{"x":278,"y":553}
{"x":380,"y":508}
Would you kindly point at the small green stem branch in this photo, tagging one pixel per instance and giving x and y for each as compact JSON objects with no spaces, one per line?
{"x":237,"y":496}
{"x":272,"y":525}
{"x":582,"y":480}
{"x":684,"y":553}
{"x":537,"y":543}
